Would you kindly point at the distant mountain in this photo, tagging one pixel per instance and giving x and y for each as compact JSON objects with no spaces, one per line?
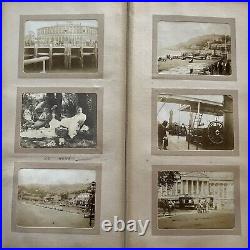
{"x":56,"y":189}
{"x":198,"y":41}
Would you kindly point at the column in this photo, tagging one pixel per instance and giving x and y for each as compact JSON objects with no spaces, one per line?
{"x":181,"y":187}
{"x":192,"y":187}
{"x":197,"y":188}
{"x":186,"y":190}
{"x":228,"y":122}
{"x":176,"y":188}
{"x":202,"y":187}
{"x":207,"y":189}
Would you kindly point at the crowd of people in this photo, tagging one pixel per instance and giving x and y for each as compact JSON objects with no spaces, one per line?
{"x":222,"y":67}
{"x":168,"y":206}
{"x":47,"y":119}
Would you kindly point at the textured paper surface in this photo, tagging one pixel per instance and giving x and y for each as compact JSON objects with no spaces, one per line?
{"x":140,"y":84}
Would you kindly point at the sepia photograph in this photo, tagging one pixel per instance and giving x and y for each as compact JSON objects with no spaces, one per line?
{"x":57,"y":119}
{"x":65,"y":45}
{"x":195,"y":48}
{"x":195,"y":122}
{"x":55,"y":197}
{"x":191,"y":198}
{"x":195,"y":200}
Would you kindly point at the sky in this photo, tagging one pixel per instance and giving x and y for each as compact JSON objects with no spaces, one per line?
{"x":172,"y":33}
{"x":34,"y":25}
{"x":55,"y":176}
{"x":183,"y":117}
{"x":214,"y":174}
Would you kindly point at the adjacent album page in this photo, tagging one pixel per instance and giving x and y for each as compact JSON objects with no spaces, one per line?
{"x":64,"y":99}
{"x":187,"y":124}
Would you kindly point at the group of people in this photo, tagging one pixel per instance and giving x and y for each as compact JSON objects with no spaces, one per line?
{"x":203,"y":206}
{"x":222,"y":67}
{"x":167,"y":206}
{"x":174,"y":129}
{"x":35,"y":119}
{"x":47,"y":119}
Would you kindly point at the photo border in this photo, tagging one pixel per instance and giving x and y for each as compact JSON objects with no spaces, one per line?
{"x":99,"y":142}
{"x":185,"y":232}
{"x":100,"y":20}
{"x":198,"y":19}
{"x":154,"y":125}
{"x":67,"y":166}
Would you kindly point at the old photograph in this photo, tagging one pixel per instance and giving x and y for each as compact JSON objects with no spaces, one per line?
{"x":54,"y":119}
{"x":190,"y":47}
{"x":59,"y":46}
{"x":196,"y":200}
{"x":55,"y":198}
{"x":194,"y":122}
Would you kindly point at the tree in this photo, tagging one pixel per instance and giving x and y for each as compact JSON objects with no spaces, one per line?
{"x":168,"y":178}
{"x":58,"y":110}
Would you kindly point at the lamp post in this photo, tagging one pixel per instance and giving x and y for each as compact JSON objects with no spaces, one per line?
{"x":91,"y":202}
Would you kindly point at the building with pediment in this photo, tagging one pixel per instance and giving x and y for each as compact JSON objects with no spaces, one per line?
{"x":218,"y":186}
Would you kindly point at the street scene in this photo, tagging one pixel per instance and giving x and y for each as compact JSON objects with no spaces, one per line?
{"x":61,"y":46}
{"x":195,"y":122}
{"x":196,"y":200}
{"x":56,"y":198}
{"x":193,"y":48}
{"x":58,"y":120}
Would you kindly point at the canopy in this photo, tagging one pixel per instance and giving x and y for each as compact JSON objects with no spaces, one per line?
{"x":189,"y":103}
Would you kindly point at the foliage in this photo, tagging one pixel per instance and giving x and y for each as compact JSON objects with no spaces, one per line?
{"x":168,"y":178}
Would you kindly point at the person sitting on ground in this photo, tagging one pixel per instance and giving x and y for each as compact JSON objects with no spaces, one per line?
{"x":43,"y":120}
{"x":27,"y":118}
{"x":75,"y":123}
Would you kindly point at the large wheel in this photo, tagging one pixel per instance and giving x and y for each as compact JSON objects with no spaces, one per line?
{"x":215,"y":132}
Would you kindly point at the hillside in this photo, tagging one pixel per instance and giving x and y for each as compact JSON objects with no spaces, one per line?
{"x":56,"y":189}
{"x":198,"y":41}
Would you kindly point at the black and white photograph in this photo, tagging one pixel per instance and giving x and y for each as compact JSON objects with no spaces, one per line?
{"x":54,"y":119}
{"x":195,"y":48}
{"x":60,"y":46}
{"x":56,"y":197}
{"x":196,"y":200}
{"x":197,"y":122}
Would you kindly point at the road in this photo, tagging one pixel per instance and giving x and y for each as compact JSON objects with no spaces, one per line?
{"x":30,"y":215}
{"x":192,"y":220}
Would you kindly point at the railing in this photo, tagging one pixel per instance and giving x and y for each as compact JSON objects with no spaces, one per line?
{"x":69,"y":53}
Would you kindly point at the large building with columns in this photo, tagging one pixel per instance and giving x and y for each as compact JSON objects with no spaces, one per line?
{"x":61,"y":34}
{"x":216,"y":185}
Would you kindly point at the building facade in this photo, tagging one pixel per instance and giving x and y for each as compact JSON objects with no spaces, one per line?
{"x":201,"y":185}
{"x":74,"y":34}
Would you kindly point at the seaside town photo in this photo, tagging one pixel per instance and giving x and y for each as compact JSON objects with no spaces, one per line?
{"x":193,"y":48}
{"x":56,"y":198}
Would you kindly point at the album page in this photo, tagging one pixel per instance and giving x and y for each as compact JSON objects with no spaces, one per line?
{"x":64,"y":99}
{"x":187,"y":124}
